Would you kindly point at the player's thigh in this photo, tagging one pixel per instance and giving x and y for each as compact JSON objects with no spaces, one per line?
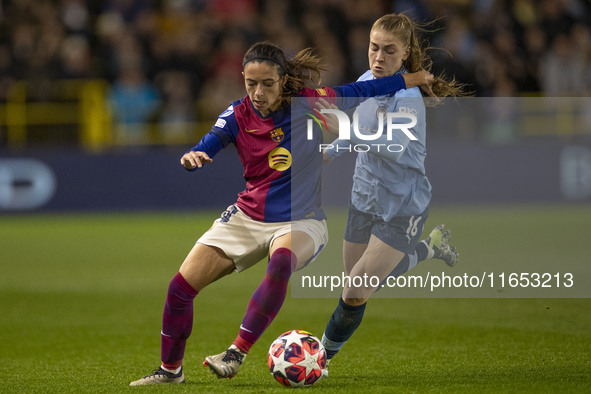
{"x":379,"y":259}
{"x":305,"y":239}
{"x":299,"y":243}
{"x":205,"y":264}
{"x":352,"y":252}
{"x":376,"y":263}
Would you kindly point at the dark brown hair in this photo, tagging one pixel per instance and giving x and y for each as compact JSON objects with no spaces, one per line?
{"x":303,"y":67}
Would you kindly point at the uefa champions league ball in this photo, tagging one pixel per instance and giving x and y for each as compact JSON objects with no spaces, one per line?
{"x":297,"y":359}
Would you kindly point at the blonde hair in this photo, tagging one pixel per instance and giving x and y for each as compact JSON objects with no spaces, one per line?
{"x":408,"y":31}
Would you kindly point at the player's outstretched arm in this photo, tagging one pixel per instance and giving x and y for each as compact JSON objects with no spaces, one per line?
{"x":195,"y":159}
{"x":353,"y":93}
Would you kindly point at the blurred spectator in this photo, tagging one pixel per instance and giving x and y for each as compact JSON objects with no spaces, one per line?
{"x":228,"y":56}
{"x":75,"y":58}
{"x":535,"y":47}
{"x":218,"y":91}
{"x":134,"y":102}
{"x":563,"y":69}
{"x":358,"y":49}
{"x":177,"y":114}
{"x":6,"y":71}
{"x":74,"y":16}
{"x":128,"y":10}
{"x":555,"y":18}
{"x":197,"y":36}
{"x":455,"y":49}
{"x":581,"y":39}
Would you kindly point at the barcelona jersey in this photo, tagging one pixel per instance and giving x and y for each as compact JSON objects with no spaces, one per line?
{"x":281,"y":185}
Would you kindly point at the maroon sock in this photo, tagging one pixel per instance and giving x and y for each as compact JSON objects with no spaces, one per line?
{"x":267,"y":299}
{"x":177,"y":321}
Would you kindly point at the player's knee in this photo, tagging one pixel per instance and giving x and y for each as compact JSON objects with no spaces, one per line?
{"x":355,"y":301}
{"x":280,"y":264}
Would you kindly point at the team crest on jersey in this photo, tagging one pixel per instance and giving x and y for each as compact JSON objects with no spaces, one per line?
{"x":279,"y":159}
{"x":382,"y":110}
{"x":277,"y":135}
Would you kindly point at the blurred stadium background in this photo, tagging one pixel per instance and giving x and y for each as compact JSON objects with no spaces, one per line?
{"x":119,"y":84}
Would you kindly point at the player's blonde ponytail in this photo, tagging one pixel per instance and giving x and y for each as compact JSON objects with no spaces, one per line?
{"x":408,"y":32}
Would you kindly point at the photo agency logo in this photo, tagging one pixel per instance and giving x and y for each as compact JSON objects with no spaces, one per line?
{"x":367,"y":139}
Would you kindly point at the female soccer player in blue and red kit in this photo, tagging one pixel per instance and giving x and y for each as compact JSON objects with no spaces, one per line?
{"x":269,"y":220}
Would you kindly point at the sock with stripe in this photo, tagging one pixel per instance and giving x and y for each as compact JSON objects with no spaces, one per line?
{"x":423,"y":251}
{"x":267,"y":299}
{"x":407,"y":262}
{"x":177,"y":322}
{"x":342,"y":324}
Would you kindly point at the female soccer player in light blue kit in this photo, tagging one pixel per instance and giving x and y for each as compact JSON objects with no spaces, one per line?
{"x":391,"y":192}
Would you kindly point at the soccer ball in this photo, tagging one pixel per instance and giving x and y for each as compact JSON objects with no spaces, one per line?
{"x":297,"y":359}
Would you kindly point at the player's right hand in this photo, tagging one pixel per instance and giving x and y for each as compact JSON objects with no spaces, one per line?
{"x":192,"y":160}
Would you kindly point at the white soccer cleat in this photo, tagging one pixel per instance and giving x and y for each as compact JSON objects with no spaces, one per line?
{"x":160,"y":376}
{"x":225,"y":364}
{"x":325,"y":370}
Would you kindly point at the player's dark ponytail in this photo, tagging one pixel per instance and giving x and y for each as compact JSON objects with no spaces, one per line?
{"x":304,"y":66}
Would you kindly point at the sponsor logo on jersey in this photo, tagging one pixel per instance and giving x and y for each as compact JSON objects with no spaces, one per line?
{"x":321,"y":92}
{"x":279,"y":159}
{"x":277,"y":135}
{"x":250,"y":130}
{"x":408,"y":110}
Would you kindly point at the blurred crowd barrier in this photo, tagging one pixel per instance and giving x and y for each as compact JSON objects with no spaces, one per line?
{"x":82,"y":115}
{"x":142,"y":72}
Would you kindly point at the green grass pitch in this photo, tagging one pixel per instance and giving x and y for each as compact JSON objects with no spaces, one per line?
{"x":81,"y":299}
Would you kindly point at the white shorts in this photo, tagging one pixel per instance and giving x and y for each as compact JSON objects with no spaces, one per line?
{"x":247,"y":241}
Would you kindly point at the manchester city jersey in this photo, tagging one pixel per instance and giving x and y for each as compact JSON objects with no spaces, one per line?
{"x":390,"y":183}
